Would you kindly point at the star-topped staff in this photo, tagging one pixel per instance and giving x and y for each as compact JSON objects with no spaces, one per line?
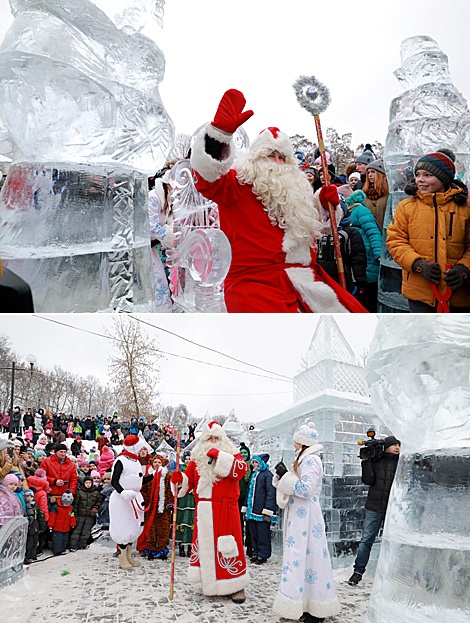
{"x":315,"y":98}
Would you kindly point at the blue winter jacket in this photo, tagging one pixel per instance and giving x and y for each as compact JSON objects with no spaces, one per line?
{"x":261,"y":494}
{"x":363,"y":219}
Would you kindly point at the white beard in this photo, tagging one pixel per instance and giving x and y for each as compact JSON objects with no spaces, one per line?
{"x":199,"y":455}
{"x":286,"y":195}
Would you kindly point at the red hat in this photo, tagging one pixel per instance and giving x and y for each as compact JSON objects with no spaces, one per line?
{"x":131,"y":440}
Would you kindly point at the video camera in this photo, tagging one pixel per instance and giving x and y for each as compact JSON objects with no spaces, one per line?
{"x":373,"y":449}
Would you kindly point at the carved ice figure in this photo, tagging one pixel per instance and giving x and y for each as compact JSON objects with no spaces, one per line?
{"x":13,"y":534}
{"x":202,"y":254}
{"x":419,"y":376}
{"x":431,"y":113}
{"x":79,"y":98}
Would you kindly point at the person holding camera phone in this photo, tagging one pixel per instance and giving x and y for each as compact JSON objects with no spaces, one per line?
{"x":378,"y":474}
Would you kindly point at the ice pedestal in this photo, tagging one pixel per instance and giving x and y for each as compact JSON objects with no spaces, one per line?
{"x":78,"y":235}
{"x":418,"y":374}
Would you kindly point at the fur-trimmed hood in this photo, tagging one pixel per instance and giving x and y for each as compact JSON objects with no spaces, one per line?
{"x":458,"y":192}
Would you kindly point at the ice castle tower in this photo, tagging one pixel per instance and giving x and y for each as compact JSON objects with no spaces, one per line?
{"x":332,"y":392}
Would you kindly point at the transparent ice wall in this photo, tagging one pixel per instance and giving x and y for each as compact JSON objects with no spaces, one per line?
{"x":418,"y":372}
{"x":79,"y":99}
{"x":431,"y":113}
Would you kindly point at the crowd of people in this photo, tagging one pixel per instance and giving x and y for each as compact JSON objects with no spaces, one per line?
{"x":274,"y":208}
{"x":226,"y":502}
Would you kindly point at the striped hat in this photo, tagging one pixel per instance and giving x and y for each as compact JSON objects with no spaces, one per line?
{"x":440,"y":164}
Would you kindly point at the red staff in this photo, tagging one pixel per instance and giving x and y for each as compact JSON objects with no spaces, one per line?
{"x":315,"y":97}
{"x":175,"y":510}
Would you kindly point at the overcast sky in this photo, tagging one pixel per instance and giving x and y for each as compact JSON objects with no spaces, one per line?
{"x":276,"y":343}
{"x":262,"y":46}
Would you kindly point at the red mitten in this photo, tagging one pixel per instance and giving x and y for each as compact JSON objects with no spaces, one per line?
{"x":177,"y":478}
{"x":329,"y":194}
{"x":229,"y":116}
{"x":213,"y":453}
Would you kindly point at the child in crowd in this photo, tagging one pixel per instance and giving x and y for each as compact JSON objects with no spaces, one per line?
{"x":102,"y":518}
{"x":36,"y":525}
{"x":429,"y":237}
{"x":61,"y":520}
{"x":86,"y":505}
{"x":13,"y":483}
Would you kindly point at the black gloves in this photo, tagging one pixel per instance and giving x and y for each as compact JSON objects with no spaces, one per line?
{"x":280,"y":469}
{"x":456,"y":276}
{"x":431,"y":272}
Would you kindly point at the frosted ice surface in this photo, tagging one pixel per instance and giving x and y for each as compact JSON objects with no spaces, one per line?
{"x":419,"y":376}
{"x":73,"y":87}
{"x":85,"y":122}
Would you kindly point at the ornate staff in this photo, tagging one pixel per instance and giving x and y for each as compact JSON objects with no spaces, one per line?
{"x":175,"y":509}
{"x":315,"y":98}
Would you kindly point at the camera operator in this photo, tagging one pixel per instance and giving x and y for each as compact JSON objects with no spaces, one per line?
{"x":379,"y":475}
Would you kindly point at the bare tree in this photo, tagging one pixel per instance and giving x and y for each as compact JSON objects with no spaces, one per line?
{"x":181,"y":146}
{"x":134,"y":370}
{"x":303,"y":144}
{"x":340,"y":149}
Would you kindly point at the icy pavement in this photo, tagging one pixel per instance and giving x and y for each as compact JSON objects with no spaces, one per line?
{"x":95,"y":590}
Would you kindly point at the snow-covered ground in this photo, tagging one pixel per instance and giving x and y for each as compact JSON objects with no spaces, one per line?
{"x":95,"y":590}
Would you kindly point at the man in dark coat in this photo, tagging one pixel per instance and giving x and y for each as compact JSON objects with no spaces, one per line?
{"x":379,"y":475}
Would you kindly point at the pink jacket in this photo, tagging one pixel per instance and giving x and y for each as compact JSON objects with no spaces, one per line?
{"x":106,"y":460}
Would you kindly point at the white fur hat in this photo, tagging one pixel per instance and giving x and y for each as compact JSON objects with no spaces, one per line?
{"x":272,"y":139}
{"x":213,"y":428}
{"x":306,"y":434}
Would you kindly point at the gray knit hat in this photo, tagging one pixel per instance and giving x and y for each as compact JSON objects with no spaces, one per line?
{"x":365,"y":158}
{"x":377,"y":165}
{"x":67,"y":498}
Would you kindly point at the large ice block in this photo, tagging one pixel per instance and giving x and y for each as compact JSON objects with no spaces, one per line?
{"x":418,"y":374}
{"x":78,"y":235}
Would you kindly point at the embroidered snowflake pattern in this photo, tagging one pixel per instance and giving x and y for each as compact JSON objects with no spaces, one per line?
{"x":301,"y":488}
{"x":295,"y":564}
{"x":290,"y":541}
{"x":317,"y":531}
{"x":291,"y":500}
{"x":328,"y":586}
{"x":301,"y":589}
{"x":315,"y":499}
{"x":310,"y":462}
{"x":162,"y":294}
{"x":325,"y":553}
{"x":308,"y":551}
{"x":304,"y":533}
{"x":311,"y":576}
{"x":301,"y":512}
{"x":285,"y":568}
{"x":284,"y":579}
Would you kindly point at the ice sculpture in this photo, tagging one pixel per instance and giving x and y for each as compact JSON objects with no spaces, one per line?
{"x":13,"y":534}
{"x":79,"y":98}
{"x":418,"y":374}
{"x":201,"y":257}
{"x":431,"y":113}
